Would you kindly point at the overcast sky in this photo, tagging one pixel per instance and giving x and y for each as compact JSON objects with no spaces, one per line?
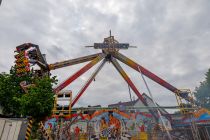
{"x":172,"y":39}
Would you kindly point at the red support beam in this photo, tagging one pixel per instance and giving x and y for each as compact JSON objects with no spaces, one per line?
{"x":130,"y":83}
{"x":149,"y":74}
{"x":88,"y":83}
{"x":144,"y":71}
{"x":78,"y":73}
{"x":127,"y":79}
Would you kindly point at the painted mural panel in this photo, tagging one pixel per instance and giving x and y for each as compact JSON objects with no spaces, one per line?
{"x":104,"y":124}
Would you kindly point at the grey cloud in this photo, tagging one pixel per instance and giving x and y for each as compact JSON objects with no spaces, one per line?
{"x":3,"y":67}
{"x":172,"y":39}
{"x":57,"y":52}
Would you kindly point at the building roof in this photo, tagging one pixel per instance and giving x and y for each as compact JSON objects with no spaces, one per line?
{"x":129,"y":103}
{"x":132,"y":103}
{"x":94,"y":106}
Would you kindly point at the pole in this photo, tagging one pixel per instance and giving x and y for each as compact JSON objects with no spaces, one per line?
{"x":161,"y":117}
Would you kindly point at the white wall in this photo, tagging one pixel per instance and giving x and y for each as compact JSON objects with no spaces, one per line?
{"x":9,"y":129}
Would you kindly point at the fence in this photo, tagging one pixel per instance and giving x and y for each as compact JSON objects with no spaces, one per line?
{"x":12,"y":129}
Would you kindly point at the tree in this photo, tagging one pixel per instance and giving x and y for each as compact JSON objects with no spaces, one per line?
{"x":38,"y":102}
{"x":10,"y":92}
{"x":202,"y":93}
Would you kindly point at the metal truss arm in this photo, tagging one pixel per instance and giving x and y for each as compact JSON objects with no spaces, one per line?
{"x":88,"y":83}
{"x":78,"y":73}
{"x":150,"y":75}
{"x":144,"y":71}
{"x":70,"y":62}
{"x":130,"y":83}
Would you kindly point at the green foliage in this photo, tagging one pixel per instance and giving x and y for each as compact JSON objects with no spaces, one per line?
{"x":202,"y":93}
{"x":38,"y":102}
{"x":10,"y":92}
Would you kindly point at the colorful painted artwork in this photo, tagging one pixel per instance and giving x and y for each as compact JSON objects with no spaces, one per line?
{"x":106,"y":124}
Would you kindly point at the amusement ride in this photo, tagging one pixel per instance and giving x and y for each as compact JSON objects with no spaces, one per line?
{"x":29,"y":54}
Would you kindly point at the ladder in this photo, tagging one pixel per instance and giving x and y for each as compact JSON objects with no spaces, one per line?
{"x":184,"y":109}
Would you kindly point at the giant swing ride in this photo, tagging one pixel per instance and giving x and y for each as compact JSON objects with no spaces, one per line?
{"x":29,"y":54}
